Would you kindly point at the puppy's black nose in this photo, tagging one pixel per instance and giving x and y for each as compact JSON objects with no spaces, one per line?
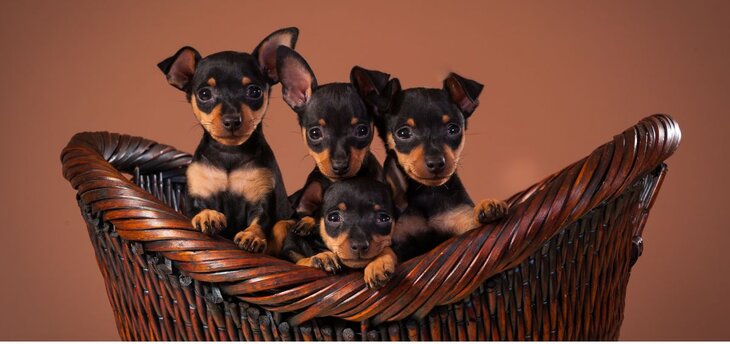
{"x":435,"y":164}
{"x":232,"y":124}
{"x":340,"y":167}
{"x":359,"y":246}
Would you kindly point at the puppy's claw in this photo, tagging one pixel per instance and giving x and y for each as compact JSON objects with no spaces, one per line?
{"x":207,"y":220}
{"x":250,"y":240}
{"x":305,"y":226}
{"x":490,"y":210}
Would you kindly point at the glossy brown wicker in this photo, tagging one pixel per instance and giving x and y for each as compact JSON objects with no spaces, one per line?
{"x":555,"y":269}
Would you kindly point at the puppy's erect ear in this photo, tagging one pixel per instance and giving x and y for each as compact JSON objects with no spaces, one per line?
{"x":265,"y":52}
{"x":179,"y":68}
{"x":297,"y":79}
{"x":463,"y":92}
{"x":368,"y":81}
{"x":311,"y":198}
{"x":383,"y":100}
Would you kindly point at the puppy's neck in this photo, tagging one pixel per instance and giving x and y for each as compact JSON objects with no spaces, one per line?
{"x":228,"y":157}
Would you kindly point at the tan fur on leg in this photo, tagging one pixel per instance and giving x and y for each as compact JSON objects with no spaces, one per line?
{"x":278,"y":234}
{"x":326,"y":261}
{"x":251,"y":239}
{"x":209,"y":221}
{"x":379,"y":271}
{"x":489,"y":210}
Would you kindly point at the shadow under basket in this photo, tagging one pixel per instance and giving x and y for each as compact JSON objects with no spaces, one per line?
{"x":555,"y":269}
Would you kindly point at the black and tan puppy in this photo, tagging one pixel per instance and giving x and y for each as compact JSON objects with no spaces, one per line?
{"x":234,"y":183}
{"x":355,"y":219}
{"x":336,"y":124}
{"x":423,"y":131}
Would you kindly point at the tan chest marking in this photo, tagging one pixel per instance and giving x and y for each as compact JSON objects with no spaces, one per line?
{"x":455,"y":221}
{"x":205,"y":181}
{"x":252,"y":183}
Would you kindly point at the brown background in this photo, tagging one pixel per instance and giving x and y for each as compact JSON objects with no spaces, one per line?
{"x":561,"y":78}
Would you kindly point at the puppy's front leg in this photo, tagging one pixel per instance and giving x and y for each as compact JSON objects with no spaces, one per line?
{"x":379,"y":271}
{"x":253,"y":238}
{"x":326,"y":261}
{"x":205,"y":218}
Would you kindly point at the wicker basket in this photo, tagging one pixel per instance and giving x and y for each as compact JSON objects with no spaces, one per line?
{"x":555,"y":269}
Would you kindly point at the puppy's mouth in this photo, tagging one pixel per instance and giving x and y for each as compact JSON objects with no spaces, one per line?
{"x":433,"y":180}
{"x":355,"y":263}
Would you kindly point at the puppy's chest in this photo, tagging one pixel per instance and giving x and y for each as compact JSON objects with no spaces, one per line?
{"x":252,"y":183}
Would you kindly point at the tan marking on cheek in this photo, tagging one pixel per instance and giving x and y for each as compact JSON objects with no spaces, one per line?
{"x":205,"y":181}
{"x":391,"y":142}
{"x":212,"y":122}
{"x":354,"y":120}
{"x":337,"y":244}
{"x":342,"y":206}
{"x":357,"y":156}
{"x":251,"y":118}
{"x":445,"y":119}
{"x":211,"y":82}
{"x":322,"y":122}
{"x":245,"y":81}
{"x":455,"y":221}
{"x":251,"y":183}
{"x":410,"y":122}
{"x":323,"y":162}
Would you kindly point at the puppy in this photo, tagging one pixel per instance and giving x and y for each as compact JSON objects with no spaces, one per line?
{"x":234,"y":184}
{"x":423,"y":131}
{"x":336,"y":125}
{"x":355,"y":220}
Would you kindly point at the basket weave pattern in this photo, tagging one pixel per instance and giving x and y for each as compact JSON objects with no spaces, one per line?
{"x":556,"y":268}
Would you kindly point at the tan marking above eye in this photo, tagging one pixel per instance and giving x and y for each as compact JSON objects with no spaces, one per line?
{"x":246,"y":80}
{"x":411,"y":122}
{"x":377,"y":207}
{"x":445,"y":119}
{"x":342,"y":206}
{"x":211,"y":82}
{"x":354,"y":120}
{"x":322,"y":122}
{"x":251,"y":183}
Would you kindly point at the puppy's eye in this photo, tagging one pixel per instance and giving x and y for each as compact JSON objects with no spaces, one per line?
{"x":254,"y":92}
{"x":404,"y":133}
{"x":453,"y":129}
{"x":315,"y":134}
{"x":205,"y":94}
{"x":383,"y":218}
{"x":334,"y":217}
{"x":362,"y":130}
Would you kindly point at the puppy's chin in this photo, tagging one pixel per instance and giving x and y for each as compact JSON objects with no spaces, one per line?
{"x":355,"y":263}
{"x":230,"y":140}
{"x":431,"y":180}
{"x":327,"y":171}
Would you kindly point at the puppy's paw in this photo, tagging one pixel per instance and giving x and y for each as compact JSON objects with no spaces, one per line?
{"x":326,"y":261}
{"x":251,"y":239}
{"x":489,"y":210}
{"x":378,"y":272}
{"x":209,"y":221}
{"x":305,"y":226}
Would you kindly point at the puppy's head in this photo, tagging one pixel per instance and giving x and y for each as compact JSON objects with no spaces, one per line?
{"x":425,"y":127}
{"x":357,"y":219}
{"x":336,"y":123}
{"x":229,"y":91}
